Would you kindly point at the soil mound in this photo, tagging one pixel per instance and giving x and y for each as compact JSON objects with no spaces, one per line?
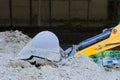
{"x":73,"y":68}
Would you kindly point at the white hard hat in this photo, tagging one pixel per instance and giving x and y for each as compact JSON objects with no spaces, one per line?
{"x":45,"y":44}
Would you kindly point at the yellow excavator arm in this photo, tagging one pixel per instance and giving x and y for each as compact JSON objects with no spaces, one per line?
{"x":112,"y":41}
{"x":108,"y":39}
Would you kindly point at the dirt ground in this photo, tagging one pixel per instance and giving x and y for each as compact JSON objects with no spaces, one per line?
{"x":73,"y":68}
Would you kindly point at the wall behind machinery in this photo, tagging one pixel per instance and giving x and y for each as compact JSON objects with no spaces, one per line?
{"x":59,"y":12}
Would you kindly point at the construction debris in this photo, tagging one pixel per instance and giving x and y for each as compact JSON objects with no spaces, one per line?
{"x":73,"y":68}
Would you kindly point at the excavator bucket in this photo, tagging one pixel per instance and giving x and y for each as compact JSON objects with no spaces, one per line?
{"x":45,"y":44}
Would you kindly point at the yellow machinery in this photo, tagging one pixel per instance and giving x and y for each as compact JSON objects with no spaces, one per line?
{"x":112,"y":41}
{"x":46,"y":45}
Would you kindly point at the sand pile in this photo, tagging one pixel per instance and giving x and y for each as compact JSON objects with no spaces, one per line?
{"x":74,"y":68}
